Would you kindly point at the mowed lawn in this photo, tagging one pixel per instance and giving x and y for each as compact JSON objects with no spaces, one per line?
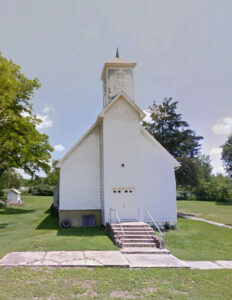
{"x":211,"y":210}
{"x":31,"y":228}
{"x":194,"y":240}
{"x":114,"y":283}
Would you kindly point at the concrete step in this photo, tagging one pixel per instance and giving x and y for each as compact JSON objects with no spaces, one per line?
{"x":133,"y":230}
{"x":143,"y":240}
{"x":136,"y":236}
{"x":131,"y":226}
{"x":146,"y":250}
{"x":129,"y":244}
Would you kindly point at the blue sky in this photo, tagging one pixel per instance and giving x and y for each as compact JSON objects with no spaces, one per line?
{"x":183,"y":50}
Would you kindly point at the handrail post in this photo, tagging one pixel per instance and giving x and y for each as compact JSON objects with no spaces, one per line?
{"x":154,"y":222}
{"x":119,"y":221}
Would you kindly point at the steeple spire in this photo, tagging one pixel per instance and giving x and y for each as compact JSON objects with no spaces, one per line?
{"x":117,"y":53}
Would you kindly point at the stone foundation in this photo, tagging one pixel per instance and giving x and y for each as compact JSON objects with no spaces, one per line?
{"x":75,"y":216}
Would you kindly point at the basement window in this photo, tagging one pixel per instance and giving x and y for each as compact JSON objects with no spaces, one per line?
{"x":119,"y":191}
{"x":88,"y":221}
{"x":126,"y":191}
{"x":130,"y":191}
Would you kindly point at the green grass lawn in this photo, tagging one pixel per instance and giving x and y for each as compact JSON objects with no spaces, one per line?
{"x":194,"y":240}
{"x":113,"y":283}
{"x":211,"y":210}
{"x":31,"y":228}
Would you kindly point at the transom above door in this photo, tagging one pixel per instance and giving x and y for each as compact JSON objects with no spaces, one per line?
{"x":124,"y":190}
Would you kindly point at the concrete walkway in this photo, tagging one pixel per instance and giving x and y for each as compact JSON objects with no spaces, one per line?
{"x":190,"y":217}
{"x":132,"y":258}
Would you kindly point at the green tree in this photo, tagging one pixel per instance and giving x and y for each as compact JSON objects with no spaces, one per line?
{"x":21,"y":144}
{"x":216,"y":188}
{"x":53,"y":176}
{"x":10,"y":179}
{"x":227,"y":156}
{"x":204,"y":167}
{"x":168,"y":127}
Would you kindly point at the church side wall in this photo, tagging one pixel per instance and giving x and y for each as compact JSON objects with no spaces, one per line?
{"x":101,"y":147}
{"x":80,"y":176}
{"x":158,"y":189}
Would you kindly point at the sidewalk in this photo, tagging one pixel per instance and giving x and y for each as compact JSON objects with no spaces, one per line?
{"x":190,"y":217}
{"x":132,"y":258}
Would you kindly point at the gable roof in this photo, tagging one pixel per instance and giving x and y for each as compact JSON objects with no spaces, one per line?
{"x":15,"y":191}
{"x":77,"y":144}
{"x":128,"y":100}
{"x":99,"y":120}
{"x":100,"y":117}
{"x":171,"y":158}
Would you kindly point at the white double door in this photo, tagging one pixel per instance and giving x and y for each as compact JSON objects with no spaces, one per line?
{"x":124,"y":201}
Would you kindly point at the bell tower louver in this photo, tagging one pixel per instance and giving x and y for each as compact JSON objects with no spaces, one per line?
{"x":117,"y":76}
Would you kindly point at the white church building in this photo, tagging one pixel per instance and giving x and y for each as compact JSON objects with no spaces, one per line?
{"x":117,"y":170}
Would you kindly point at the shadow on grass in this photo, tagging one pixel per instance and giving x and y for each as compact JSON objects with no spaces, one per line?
{"x":3,"y":225}
{"x":15,"y":211}
{"x":49,"y":222}
{"x":52,"y":223}
{"x":81,"y":231}
{"x":224,"y":203}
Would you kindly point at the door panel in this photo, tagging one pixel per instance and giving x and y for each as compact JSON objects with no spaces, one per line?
{"x":124,"y":201}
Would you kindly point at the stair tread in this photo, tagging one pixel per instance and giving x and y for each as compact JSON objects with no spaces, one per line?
{"x":134,"y":234}
{"x":136,"y":243}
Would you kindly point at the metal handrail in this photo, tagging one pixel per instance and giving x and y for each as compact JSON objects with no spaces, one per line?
{"x":153,"y":220}
{"x":117,"y":215}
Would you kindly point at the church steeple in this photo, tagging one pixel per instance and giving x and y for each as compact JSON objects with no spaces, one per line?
{"x":117,"y":76}
{"x":117,"y":53}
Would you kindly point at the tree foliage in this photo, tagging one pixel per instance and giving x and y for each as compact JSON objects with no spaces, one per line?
{"x":21,"y":144}
{"x":53,"y":176}
{"x":215,"y":188}
{"x":168,"y":127}
{"x":10,"y":179}
{"x":227,"y":156}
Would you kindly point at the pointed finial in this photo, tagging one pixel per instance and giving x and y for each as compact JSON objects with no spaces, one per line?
{"x":117,"y":53}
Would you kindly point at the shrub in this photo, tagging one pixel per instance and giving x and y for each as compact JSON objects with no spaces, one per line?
{"x":218,"y":188}
{"x":41,"y":190}
{"x":166,"y":226}
{"x":215,"y":188}
{"x":184,"y":194}
{"x":54,"y":210}
{"x":2,"y":204}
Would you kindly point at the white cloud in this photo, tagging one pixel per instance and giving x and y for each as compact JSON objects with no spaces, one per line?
{"x":215,"y":154}
{"x":46,"y":122}
{"x":216,"y":151}
{"x":25,"y":114}
{"x":148,"y":118}
{"x":48,"y":108}
{"x":59,"y":148}
{"x":223,"y":126}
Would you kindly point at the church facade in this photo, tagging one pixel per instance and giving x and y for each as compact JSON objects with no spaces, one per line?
{"x":117,"y":170}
